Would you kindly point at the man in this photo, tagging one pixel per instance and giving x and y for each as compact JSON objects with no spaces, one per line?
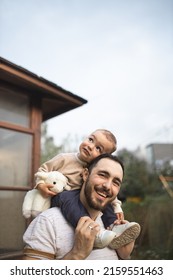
{"x":50,"y":236}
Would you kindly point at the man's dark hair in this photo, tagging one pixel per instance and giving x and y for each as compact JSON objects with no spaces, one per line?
{"x":94,"y":162}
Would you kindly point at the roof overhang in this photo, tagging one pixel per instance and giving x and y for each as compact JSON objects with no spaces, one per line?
{"x":55,"y":100}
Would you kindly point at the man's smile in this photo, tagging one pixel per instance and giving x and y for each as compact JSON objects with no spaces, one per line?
{"x":102,"y":194}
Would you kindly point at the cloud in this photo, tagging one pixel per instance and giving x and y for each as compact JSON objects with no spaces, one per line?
{"x":116,"y":54}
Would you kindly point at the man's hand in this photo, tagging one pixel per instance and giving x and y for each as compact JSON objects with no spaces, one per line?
{"x":85,"y":234}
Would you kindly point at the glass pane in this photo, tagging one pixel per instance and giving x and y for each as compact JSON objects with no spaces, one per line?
{"x":14,"y":107}
{"x":12,"y":223}
{"x":15,"y":158}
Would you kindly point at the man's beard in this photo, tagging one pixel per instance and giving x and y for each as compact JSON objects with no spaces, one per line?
{"x":92,"y":203}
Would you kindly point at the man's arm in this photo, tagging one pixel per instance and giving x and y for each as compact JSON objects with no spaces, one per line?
{"x":125,"y":251}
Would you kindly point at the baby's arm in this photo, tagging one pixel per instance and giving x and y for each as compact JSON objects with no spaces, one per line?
{"x":45,"y":189}
{"x":117,"y":209}
{"x":52,"y":165}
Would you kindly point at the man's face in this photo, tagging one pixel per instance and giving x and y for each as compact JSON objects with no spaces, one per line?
{"x":102,"y":184}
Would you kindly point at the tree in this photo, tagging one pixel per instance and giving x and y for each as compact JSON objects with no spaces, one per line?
{"x":135,"y":178}
{"x":48,"y":147}
{"x":138,"y":181}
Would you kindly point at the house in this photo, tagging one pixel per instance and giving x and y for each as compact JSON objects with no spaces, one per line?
{"x":158,"y":154}
{"x":26,"y":100}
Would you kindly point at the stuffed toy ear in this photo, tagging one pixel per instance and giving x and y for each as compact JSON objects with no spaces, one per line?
{"x":42,"y":175}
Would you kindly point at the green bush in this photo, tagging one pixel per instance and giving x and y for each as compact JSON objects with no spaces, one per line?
{"x":155,"y":215}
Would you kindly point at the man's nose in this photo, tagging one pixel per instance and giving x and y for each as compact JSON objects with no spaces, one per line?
{"x":107,"y":185}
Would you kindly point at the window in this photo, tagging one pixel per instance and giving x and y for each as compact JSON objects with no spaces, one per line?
{"x":14,"y":107}
{"x":15,"y":158}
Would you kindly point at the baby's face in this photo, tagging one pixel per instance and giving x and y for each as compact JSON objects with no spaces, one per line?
{"x":94,"y":145}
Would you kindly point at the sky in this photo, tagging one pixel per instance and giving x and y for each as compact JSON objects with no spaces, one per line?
{"x":116,"y":54}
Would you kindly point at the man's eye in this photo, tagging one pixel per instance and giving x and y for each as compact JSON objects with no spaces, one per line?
{"x":117,"y":183}
{"x":90,"y":139}
{"x":102,"y":174}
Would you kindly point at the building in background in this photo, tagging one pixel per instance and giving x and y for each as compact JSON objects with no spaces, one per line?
{"x":26,"y":100}
{"x":159,"y":154}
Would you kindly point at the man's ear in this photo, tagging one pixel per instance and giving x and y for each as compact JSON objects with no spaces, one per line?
{"x":85,"y":174}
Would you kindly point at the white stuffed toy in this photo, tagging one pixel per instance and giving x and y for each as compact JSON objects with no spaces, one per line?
{"x":34,"y":203}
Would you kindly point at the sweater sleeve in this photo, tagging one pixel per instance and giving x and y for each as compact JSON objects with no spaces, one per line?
{"x":116,"y":203}
{"x":53,"y":164}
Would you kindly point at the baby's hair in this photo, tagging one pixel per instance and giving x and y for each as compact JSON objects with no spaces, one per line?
{"x":110,"y":136}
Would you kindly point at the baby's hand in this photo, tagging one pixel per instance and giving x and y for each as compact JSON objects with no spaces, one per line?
{"x":119,"y":222}
{"x":45,"y":189}
{"x":120,"y":216}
